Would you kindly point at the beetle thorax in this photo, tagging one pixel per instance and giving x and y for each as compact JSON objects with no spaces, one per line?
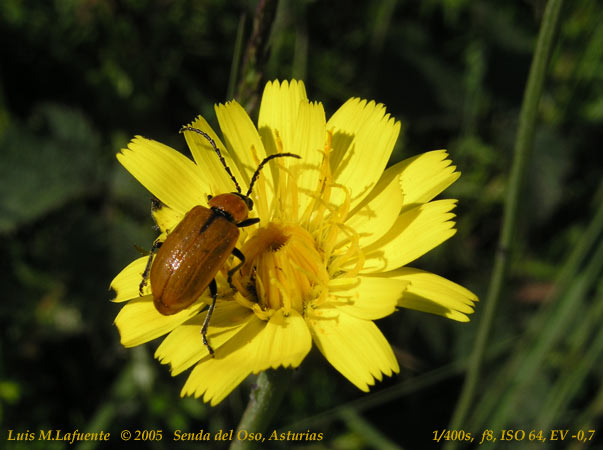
{"x":233,"y":204}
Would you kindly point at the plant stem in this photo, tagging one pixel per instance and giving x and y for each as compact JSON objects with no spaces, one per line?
{"x":263,"y":404}
{"x":236,"y":58}
{"x":523,"y":145}
{"x":256,"y":55}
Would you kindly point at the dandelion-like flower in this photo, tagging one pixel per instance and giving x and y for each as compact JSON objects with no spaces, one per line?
{"x":328,"y":257}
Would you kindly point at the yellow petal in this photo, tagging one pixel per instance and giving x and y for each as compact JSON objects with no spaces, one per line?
{"x":425,"y":176}
{"x":363,"y":140}
{"x":367,"y":298}
{"x":241,"y":136}
{"x":127,"y":282}
{"x":170,"y":176}
{"x":243,"y":141}
{"x":284,"y":341}
{"x":139,"y":322}
{"x":434,"y":294}
{"x":287,"y":114}
{"x":165,"y":218}
{"x":279,"y":112}
{"x":208,"y":161}
{"x":184,"y":346}
{"x":416,"y":232}
{"x":215,"y":378}
{"x":308,"y":142}
{"x":355,"y":347}
{"x":378,"y":212}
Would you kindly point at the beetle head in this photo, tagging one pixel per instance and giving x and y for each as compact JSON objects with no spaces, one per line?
{"x":246,"y":199}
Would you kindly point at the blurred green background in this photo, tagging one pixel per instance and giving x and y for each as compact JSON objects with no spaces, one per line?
{"x":79,"y":78}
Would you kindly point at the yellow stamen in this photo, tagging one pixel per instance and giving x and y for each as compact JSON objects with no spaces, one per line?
{"x":283,"y":268}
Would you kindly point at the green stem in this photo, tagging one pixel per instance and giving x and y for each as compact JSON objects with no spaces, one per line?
{"x":263,"y":404}
{"x":236,"y":58}
{"x":256,"y":55}
{"x":523,"y":145}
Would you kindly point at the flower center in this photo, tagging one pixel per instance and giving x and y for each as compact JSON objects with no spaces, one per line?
{"x":283,"y":268}
{"x":299,"y":252}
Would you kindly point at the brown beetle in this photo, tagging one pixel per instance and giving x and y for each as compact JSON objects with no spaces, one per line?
{"x":192,"y":254}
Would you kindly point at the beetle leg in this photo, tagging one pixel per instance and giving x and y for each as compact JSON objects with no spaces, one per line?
{"x":239,"y":254}
{"x":213,"y":289}
{"x":147,"y":269}
{"x":248,"y":222}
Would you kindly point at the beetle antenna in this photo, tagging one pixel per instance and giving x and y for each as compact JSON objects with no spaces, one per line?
{"x":263,"y":163}
{"x":213,"y":144}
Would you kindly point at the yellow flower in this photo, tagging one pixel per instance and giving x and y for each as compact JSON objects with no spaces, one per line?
{"x":328,"y":256}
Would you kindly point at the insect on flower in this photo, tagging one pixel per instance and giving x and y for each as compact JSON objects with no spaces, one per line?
{"x":333,"y":251}
{"x":188,"y":260}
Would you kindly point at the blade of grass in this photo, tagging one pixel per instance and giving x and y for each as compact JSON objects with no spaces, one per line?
{"x":392,"y":393}
{"x":558,"y":328}
{"x":588,"y":420}
{"x":580,"y":363}
{"x":378,"y":398}
{"x":383,"y":13}
{"x":236,"y":58}
{"x":371,"y":435}
{"x":581,"y":250}
{"x":299,"y":68}
{"x":549,"y":325}
{"x":523,"y":145}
